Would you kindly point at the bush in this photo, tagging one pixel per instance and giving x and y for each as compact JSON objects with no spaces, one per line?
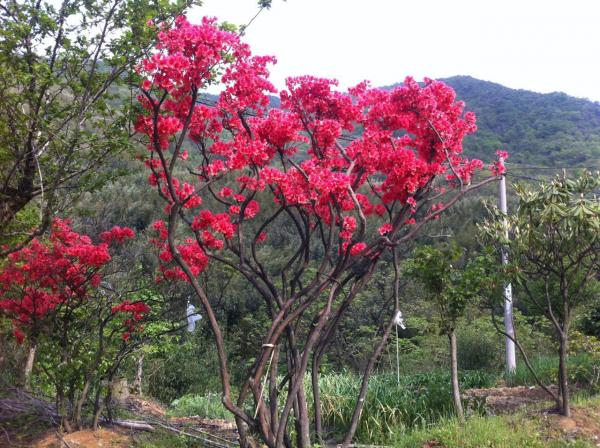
{"x":181,"y":366}
{"x":480,"y":347}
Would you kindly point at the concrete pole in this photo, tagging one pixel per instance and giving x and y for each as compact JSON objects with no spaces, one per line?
{"x":511,"y":361}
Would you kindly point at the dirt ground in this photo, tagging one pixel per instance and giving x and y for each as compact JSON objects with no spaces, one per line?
{"x":506,"y":400}
{"x":584,"y":422}
{"x":103,"y":438}
{"x":116,"y":437}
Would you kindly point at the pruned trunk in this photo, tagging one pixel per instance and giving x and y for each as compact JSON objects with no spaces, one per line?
{"x":80,"y":402}
{"x":454,"y":376}
{"x":97,"y":409}
{"x":134,"y":424}
{"x":62,"y":411}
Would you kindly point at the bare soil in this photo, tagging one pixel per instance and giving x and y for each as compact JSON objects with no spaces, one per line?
{"x":116,"y":437}
{"x":103,"y":438}
{"x":507,"y":400}
{"x":584,"y":423}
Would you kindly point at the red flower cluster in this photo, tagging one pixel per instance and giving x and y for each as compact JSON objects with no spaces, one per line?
{"x":136,"y":310}
{"x":410,"y":135}
{"x":117,"y":235}
{"x":497,"y":168}
{"x":41,"y":276}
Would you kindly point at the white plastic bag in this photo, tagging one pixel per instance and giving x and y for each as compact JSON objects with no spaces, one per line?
{"x":399,"y":320}
{"x":192,"y":317}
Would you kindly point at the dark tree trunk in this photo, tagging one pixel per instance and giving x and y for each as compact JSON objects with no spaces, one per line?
{"x":564,"y":378}
{"x":316,"y":364}
{"x":302,"y":420}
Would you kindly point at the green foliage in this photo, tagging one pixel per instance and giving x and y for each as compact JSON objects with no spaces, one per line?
{"x":546,"y":129}
{"x":480,"y":347}
{"x":417,"y":400}
{"x":583,"y":371}
{"x":206,"y":406}
{"x":12,"y":356}
{"x":588,"y":322}
{"x":180,"y":366}
{"x":478,"y":432}
{"x":62,"y":114}
{"x":448,"y":288}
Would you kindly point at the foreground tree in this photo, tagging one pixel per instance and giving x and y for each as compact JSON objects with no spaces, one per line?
{"x":348,"y":201}
{"x":52,"y":292}
{"x":555,"y":253}
{"x":60,"y":114}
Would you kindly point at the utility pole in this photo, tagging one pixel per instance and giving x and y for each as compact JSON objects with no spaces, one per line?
{"x":511,"y":361}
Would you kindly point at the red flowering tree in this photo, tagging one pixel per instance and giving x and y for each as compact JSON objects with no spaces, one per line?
{"x":51,"y":291}
{"x":347,"y":200}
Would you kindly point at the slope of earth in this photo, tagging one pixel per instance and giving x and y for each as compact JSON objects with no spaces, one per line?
{"x":531,"y":427}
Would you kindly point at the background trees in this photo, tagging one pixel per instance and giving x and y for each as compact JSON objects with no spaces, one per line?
{"x":451,"y":289}
{"x":554,"y":248}
{"x":62,"y":114}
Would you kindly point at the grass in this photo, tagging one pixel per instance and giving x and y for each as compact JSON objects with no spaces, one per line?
{"x":417,"y":400}
{"x":582,"y":371}
{"x":478,"y":432}
{"x":206,"y":406}
{"x":163,"y":439}
{"x":531,"y":430}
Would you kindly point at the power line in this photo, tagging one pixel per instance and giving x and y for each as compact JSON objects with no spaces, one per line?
{"x":515,"y":165}
{"x":508,"y":173}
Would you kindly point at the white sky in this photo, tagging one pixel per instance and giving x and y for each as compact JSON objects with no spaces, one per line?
{"x":537,"y":45}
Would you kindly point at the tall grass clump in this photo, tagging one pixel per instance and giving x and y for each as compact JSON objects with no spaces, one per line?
{"x":205,"y":406}
{"x":583,"y":372}
{"x":416,"y":401}
{"x":477,"y":432}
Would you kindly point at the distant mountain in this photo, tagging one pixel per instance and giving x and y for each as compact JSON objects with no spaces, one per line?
{"x":551,"y":129}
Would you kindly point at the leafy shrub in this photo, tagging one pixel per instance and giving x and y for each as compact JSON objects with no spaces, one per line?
{"x":181,"y":366}
{"x":479,"y":346}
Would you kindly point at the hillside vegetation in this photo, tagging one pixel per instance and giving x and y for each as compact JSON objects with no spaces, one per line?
{"x":548,"y":129}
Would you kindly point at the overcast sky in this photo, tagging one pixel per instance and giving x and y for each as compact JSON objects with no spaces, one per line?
{"x":539,"y":45}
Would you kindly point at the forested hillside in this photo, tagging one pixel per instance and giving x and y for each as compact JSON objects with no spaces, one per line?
{"x":548,"y":129}
{"x":552,"y":129}
{"x":284,"y":269}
